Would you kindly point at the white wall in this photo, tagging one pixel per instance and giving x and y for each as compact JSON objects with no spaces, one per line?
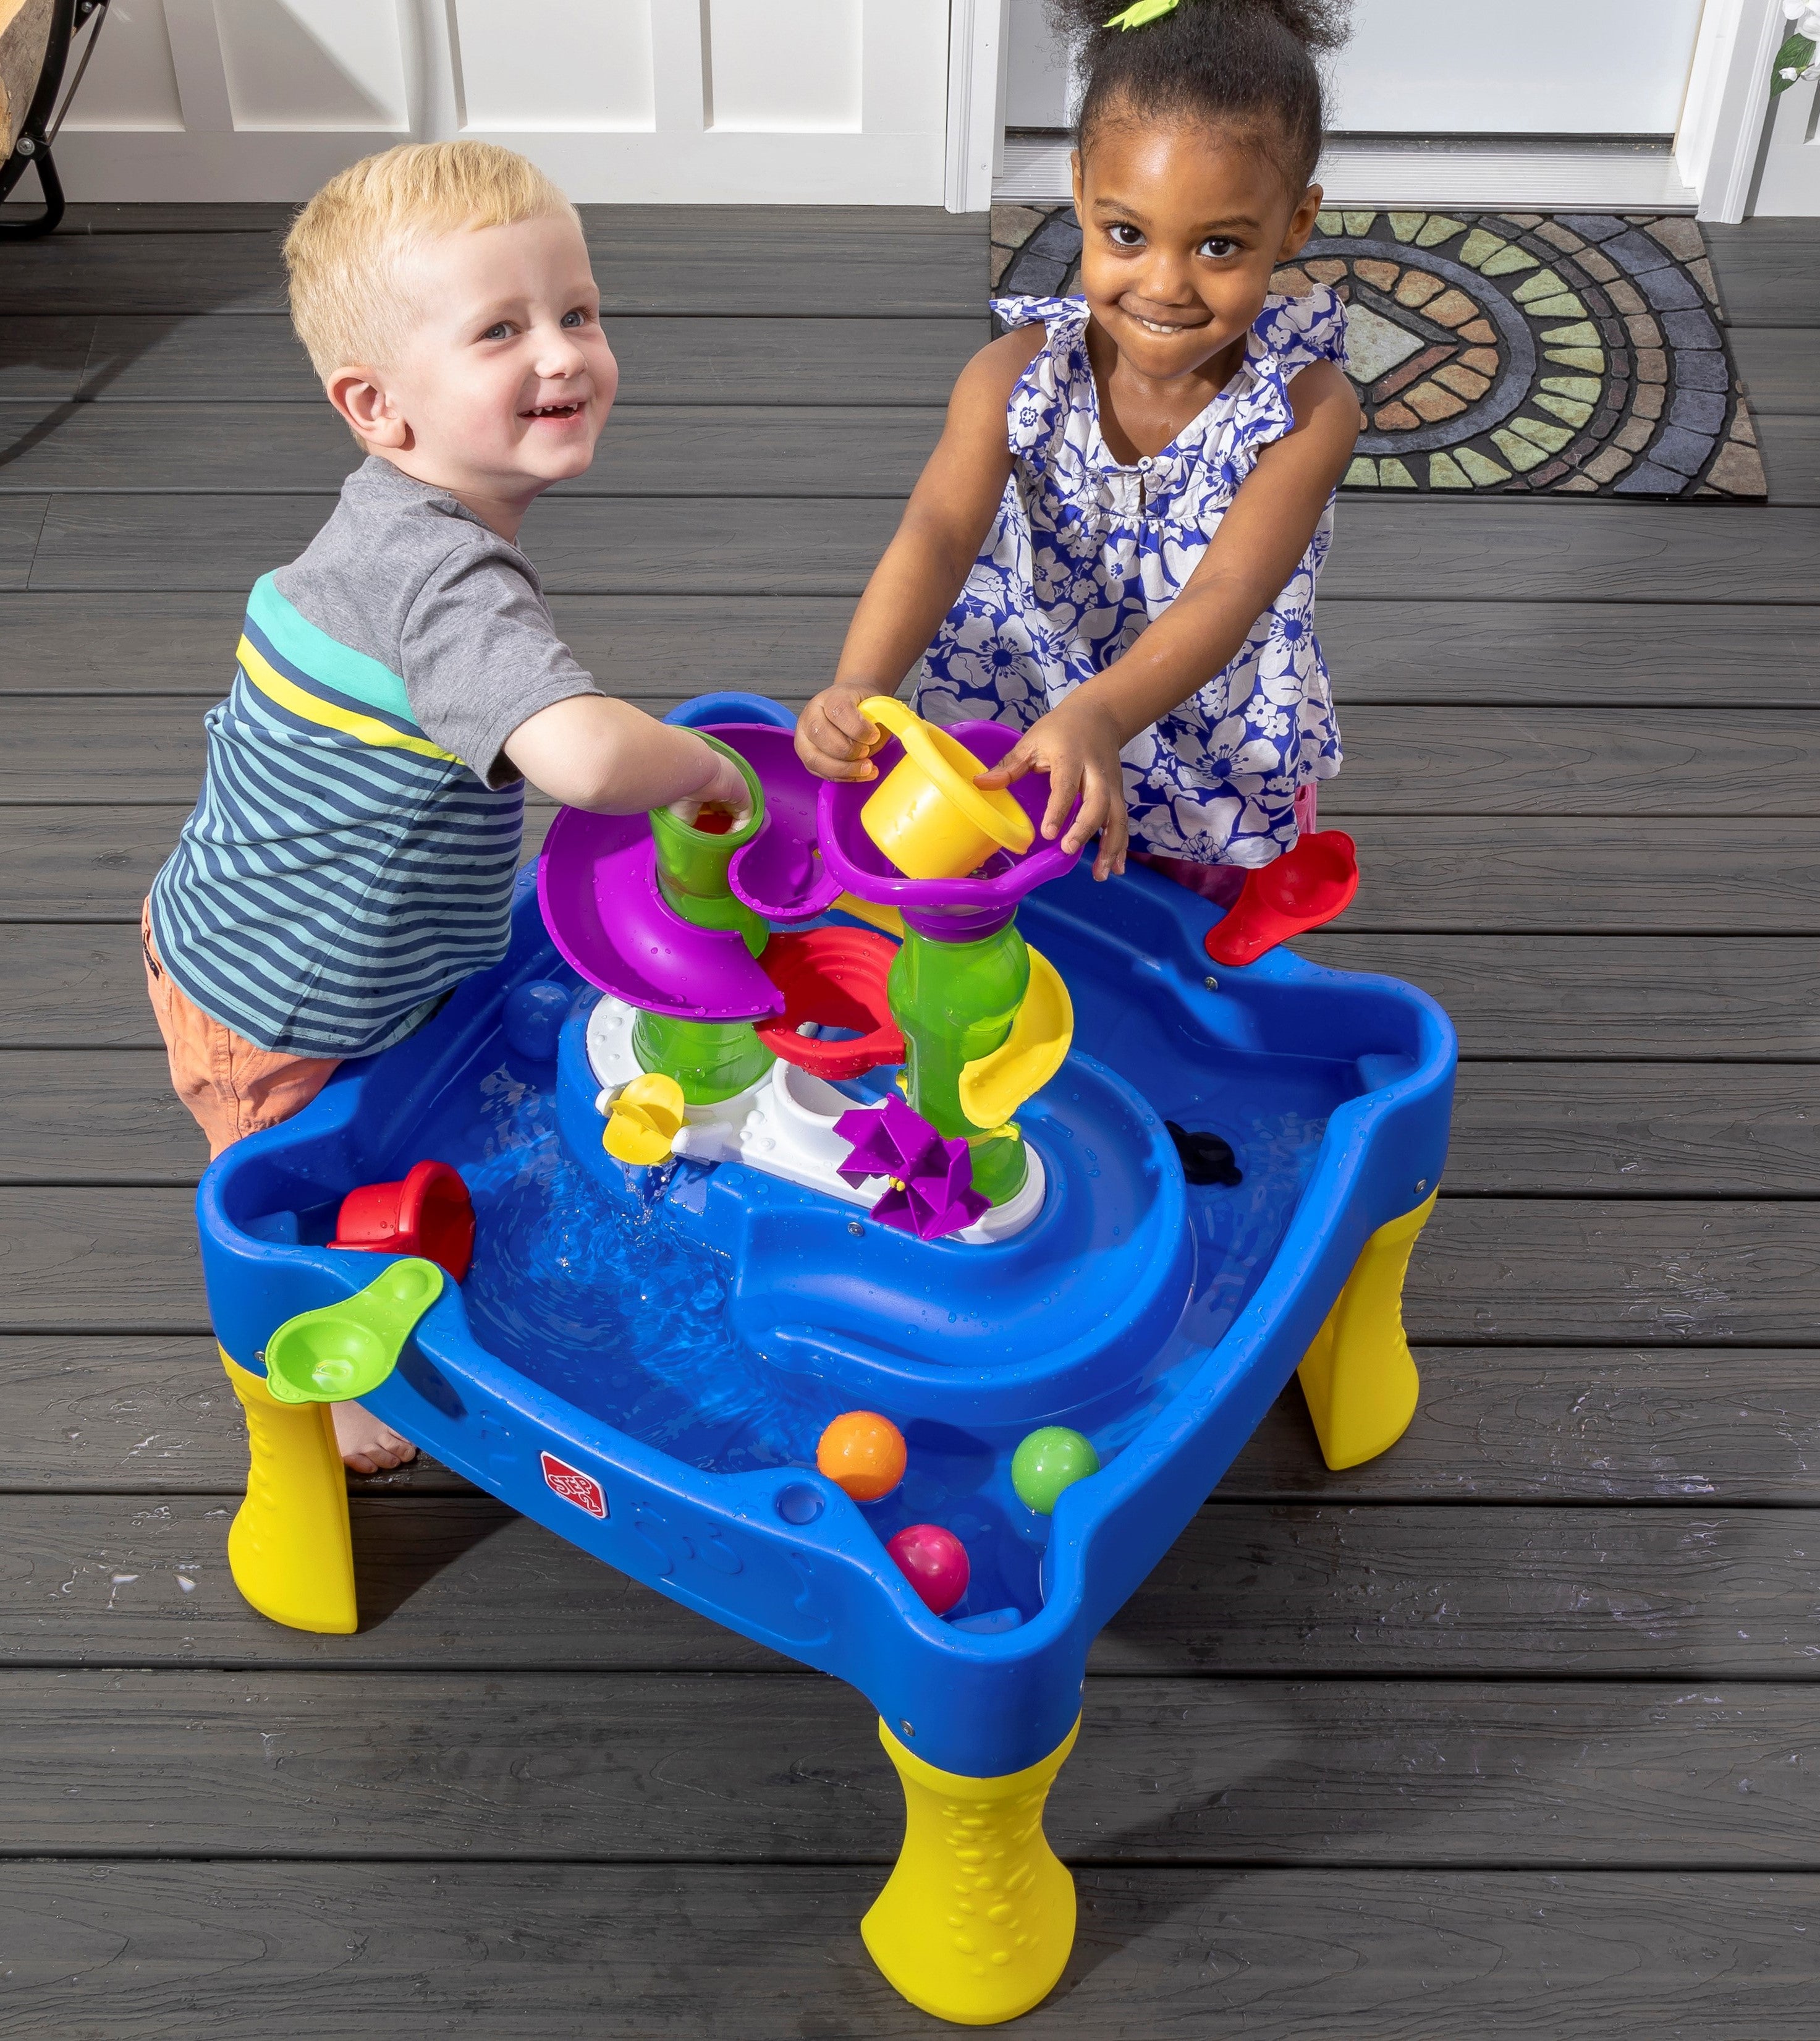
{"x":730,"y":100}
{"x":1457,"y":66}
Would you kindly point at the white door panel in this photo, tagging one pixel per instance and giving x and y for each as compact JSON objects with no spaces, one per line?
{"x":834,"y":101}
{"x":1455,"y":66}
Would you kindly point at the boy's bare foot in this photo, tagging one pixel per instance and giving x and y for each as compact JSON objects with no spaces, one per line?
{"x":367,"y":1446}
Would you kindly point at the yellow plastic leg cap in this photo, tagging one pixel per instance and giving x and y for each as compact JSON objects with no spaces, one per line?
{"x":290,"y":1550}
{"x":976,"y":1921}
{"x":1358,"y":1377}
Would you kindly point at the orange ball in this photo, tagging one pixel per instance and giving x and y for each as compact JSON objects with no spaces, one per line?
{"x":863,"y":1453}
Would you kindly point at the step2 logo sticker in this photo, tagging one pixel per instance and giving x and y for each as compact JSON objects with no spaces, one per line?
{"x":573,"y":1486}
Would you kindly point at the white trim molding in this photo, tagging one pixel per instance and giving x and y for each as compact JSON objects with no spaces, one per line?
{"x":978,"y":38}
{"x":1722,"y":119}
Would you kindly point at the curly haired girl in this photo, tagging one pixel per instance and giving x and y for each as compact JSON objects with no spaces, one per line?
{"x":1115,"y":544}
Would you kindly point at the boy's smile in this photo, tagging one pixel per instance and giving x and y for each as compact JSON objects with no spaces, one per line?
{"x":503,"y":379}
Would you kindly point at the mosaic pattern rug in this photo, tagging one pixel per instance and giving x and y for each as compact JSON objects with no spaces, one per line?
{"x":1570,"y":353}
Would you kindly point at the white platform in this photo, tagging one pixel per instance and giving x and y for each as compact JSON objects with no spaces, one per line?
{"x":784,"y":1125}
{"x":1531,"y":177}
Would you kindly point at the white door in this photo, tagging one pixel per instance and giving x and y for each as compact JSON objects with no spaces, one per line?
{"x":702,"y":100}
{"x":1607,"y":68}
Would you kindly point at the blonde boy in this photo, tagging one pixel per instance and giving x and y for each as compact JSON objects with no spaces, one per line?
{"x":351,"y":856}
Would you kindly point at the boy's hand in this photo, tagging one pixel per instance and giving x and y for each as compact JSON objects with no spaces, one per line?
{"x":1077,"y":745}
{"x":726,"y":789}
{"x":833,"y":739}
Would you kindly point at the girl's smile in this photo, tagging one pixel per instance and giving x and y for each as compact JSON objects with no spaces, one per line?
{"x":1182,"y":226}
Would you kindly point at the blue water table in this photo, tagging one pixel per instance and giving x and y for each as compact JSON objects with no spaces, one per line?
{"x":843,"y":1216}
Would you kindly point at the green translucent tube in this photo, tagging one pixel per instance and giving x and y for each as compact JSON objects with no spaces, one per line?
{"x":710,"y":1059}
{"x":955,"y":1002}
{"x":691,"y":862}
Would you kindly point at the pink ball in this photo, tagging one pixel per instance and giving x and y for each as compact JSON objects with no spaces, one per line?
{"x":934,"y":1561}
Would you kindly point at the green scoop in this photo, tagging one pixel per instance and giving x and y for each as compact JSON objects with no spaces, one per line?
{"x":344,"y":1350}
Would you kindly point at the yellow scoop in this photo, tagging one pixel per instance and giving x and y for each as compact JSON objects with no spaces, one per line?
{"x":644,"y":1120}
{"x":926,"y":815}
{"x":992,"y":1087}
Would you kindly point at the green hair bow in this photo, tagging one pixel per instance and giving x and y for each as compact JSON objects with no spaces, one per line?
{"x":1141,"y":13}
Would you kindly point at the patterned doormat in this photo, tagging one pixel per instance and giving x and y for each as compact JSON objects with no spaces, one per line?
{"x":1569,"y":353}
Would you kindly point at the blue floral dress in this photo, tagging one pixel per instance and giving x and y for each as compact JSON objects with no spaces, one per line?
{"x":1085,"y":553}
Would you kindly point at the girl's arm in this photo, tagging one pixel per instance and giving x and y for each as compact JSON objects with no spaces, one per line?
{"x":1247,"y":564}
{"x":926,"y":564}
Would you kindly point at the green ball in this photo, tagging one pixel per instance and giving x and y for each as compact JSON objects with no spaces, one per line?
{"x":1048,"y":1462}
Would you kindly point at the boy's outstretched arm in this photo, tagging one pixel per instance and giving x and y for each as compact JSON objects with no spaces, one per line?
{"x":591,"y":751}
{"x":1247,"y":564}
{"x":925,"y":565}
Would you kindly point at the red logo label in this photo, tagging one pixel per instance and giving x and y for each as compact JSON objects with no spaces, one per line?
{"x":573,"y":1486}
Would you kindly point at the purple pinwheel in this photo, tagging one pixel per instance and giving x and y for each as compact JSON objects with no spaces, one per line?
{"x":931,"y":1191}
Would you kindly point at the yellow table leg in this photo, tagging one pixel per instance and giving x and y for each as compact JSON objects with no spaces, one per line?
{"x":977,"y":1920}
{"x":289,"y":1549}
{"x":1359,"y":1376}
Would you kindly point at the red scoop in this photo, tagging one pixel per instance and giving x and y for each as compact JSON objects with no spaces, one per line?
{"x":430,"y":1213}
{"x":836,"y":977}
{"x":1305,"y":888}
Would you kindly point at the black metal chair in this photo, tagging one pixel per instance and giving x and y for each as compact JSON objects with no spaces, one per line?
{"x":44,"y":115}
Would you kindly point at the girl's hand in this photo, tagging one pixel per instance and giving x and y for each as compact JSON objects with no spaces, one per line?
{"x":833,"y":739}
{"x":1078,"y":746}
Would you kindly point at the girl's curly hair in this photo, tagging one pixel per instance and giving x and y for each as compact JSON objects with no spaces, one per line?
{"x":1243,"y":63}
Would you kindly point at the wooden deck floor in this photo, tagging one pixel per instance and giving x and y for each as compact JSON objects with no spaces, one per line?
{"x":1510,"y":1732}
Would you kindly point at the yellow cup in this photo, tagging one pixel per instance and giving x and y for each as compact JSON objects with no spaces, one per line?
{"x":926,"y":815}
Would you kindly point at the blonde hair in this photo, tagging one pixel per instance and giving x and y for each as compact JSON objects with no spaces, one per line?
{"x":347,"y":247}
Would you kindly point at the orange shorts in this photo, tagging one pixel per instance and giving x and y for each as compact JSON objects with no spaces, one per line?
{"x":231,"y":1088}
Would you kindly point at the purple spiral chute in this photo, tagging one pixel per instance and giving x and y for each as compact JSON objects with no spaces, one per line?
{"x":951,"y":909}
{"x":598,"y":886}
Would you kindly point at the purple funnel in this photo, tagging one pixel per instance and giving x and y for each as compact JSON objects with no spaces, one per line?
{"x":950,"y":909}
{"x":780,"y":874}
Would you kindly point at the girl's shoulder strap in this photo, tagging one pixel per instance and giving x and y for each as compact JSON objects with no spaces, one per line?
{"x":1299,"y":331}
{"x":1058,"y":314}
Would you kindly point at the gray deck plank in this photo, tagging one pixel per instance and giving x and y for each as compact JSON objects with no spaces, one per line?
{"x":1468,"y":762}
{"x":666,"y":647}
{"x":142,"y":1951}
{"x":1792,"y":457}
{"x":758,"y":546}
{"x":580,"y":1767}
{"x":1306,"y":1590}
{"x":1611,"y":999}
{"x":1554,"y":1129}
{"x":1505,"y":551}
{"x":648,"y":648}
{"x":42,"y":358}
{"x":1618,"y":1130}
{"x":1537,"y":1271}
{"x":792,"y":261}
{"x":1779,"y":367}
{"x":256,"y":359}
{"x":646,"y":450}
{"x":1388,"y":651}
{"x":1552,"y":1425}
{"x":150,"y":1417}
{"x":1768,"y":271}
{"x":1421,"y":873}
{"x":1568,"y":655}
{"x":21,"y":522}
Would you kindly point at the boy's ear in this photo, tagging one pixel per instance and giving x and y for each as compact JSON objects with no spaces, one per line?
{"x":361,"y":399}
